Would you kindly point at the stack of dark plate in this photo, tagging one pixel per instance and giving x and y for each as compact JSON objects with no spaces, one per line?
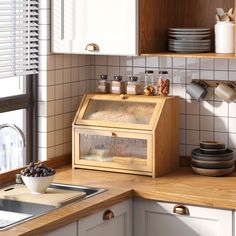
{"x":212,"y":159}
{"x":189,"y":40}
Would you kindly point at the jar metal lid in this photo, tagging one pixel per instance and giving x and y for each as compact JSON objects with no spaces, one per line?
{"x":103,"y":77}
{"x":149,"y":71}
{"x":163,"y":72}
{"x":133,"y":78}
{"x":118,"y":78}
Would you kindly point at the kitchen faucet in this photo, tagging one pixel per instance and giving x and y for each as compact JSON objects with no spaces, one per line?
{"x":9,"y":158}
{"x":17,"y":129}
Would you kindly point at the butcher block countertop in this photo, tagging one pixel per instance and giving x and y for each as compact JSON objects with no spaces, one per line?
{"x":182,"y":186}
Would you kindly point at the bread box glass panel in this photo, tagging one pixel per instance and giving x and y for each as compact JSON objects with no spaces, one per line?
{"x":115,"y":111}
{"x":116,"y":149}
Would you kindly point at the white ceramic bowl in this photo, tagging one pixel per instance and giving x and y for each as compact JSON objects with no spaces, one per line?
{"x":37,"y":185}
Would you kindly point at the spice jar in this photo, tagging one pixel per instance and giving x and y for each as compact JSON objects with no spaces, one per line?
{"x":117,"y":85}
{"x":103,"y":84}
{"x":133,"y":86}
{"x":163,"y":83}
{"x":150,"y":87}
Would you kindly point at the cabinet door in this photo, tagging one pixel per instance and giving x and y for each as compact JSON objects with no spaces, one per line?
{"x":111,"y":24}
{"x":153,"y":218}
{"x":113,"y":150}
{"x":68,"y":230}
{"x":119,"y":225}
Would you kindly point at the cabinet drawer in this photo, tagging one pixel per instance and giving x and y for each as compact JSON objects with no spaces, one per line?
{"x":153,"y":218}
{"x":115,"y":220}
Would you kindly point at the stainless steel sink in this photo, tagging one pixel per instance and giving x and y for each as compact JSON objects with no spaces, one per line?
{"x":13,"y":212}
{"x":90,"y":191}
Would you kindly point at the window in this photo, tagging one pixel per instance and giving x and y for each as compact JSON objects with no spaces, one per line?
{"x":18,"y":82}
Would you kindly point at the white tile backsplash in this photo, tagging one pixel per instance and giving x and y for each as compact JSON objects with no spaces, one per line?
{"x":221,"y":109}
{"x":193,"y":63}
{"x":221,"y":124}
{"x":179,"y":62}
{"x":139,"y":61}
{"x":192,"y":137}
{"x":206,"y":123}
{"x":192,"y":122}
{"x":206,"y":135}
{"x":192,"y":107}
{"x":221,"y":75}
{"x":165,"y":62}
{"x":206,"y":108}
{"x":232,"y":75}
{"x":232,"y":109}
{"x":232,"y":140}
{"x":179,"y":76}
{"x":207,"y":64}
{"x":221,"y":64}
{"x":113,"y":61}
{"x":152,"y":62}
{"x":232,"y":64}
{"x":232,"y":125}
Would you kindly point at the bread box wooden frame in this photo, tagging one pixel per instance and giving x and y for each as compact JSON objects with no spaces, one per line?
{"x":159,"y":136}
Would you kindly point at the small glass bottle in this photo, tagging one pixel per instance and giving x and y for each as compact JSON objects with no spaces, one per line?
{"x":103,"y":84}
{"x":150,"y":86}
{"x":133,"y":86}
{"x":117,"y":85}
{"x":163,"y":83}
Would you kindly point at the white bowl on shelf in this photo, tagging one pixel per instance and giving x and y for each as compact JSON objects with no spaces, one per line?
{"x":37,"y":185}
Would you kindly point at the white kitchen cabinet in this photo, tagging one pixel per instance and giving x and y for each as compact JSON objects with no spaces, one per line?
{"x":67,"y":230}
{"x":152,"y":218}
{"x":118,"y":223}
{"x":110,"y":25}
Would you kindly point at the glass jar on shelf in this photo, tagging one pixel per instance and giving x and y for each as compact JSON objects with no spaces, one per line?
{"x":103,"y":84}
{"x":163,"y":83}
{"x":118,"y":85}
{"x":133,"y":86}
{"x":150,"y":85}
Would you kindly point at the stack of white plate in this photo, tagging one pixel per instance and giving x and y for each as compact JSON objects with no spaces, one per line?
{"x":189,"y":40}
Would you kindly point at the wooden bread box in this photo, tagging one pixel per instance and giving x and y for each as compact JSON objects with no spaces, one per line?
{"x":130,"y":134}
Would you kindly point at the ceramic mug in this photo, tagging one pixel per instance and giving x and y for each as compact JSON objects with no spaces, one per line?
{"x":226,"y":91}
{"x":197,"y":89}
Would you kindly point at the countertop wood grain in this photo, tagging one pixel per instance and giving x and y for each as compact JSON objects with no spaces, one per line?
{"x":181,"y":186}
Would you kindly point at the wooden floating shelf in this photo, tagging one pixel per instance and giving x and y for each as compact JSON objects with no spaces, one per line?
{"x":157,"y":16}
{"x":193,"y":55}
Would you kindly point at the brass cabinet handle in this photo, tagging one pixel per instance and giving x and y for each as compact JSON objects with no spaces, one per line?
{"x":108,"y":215}
{"x":92,"y":47}
{"x":181,"y":210}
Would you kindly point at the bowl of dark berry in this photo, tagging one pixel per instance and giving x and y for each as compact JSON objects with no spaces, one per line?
{"x":37,"y":177}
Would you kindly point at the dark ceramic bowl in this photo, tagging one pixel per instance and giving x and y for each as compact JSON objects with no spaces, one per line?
{"x":212,"y":145}
{"x":212,"y":164}
{"x":198,"y":154}
{"x":213,"y":172}
{"x":213,"y":151}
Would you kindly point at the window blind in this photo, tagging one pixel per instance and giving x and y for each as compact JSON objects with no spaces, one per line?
{"x":18,"y":37}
